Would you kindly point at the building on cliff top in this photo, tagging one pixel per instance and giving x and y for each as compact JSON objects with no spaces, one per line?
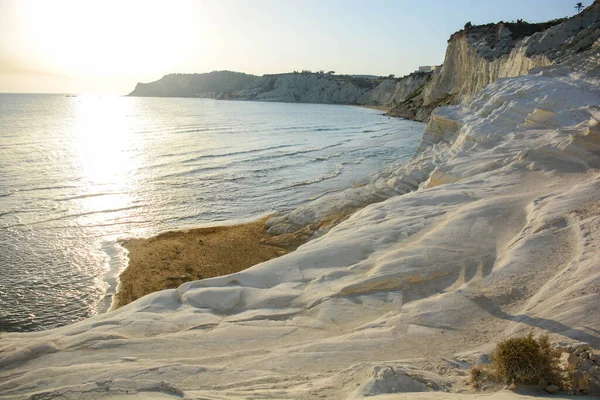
{"x":427,"y":68}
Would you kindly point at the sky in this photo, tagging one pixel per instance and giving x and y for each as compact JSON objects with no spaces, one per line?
{"x":108,"y":46}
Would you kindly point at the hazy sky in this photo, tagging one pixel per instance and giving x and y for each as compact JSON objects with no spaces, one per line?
{"x":108,"y":46}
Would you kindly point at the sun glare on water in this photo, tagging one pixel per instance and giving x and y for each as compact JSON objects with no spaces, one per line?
{"x":101,"y":138}
{"x":102,"y":145}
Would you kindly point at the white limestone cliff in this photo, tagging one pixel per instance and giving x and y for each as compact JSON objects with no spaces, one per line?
{"x":307,"y":88}
{"x":392,"y":91}
{"x":465,"y":71}
{"x":477,"y":56}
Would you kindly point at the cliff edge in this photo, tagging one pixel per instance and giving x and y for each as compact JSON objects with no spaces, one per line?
{"x":479,"y":55}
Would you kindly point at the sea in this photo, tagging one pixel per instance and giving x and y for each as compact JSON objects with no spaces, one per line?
{"x":79,"y":173}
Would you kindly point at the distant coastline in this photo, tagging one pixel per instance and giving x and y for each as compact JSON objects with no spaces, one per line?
{"x":295,"y":87}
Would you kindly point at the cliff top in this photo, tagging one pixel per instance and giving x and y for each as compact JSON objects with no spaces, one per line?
{"x":497,"y":39}
{"x":518,"y":29}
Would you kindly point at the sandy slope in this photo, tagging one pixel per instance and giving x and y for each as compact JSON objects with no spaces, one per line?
{"x":402,"y":296}
{"x":171,"y":258}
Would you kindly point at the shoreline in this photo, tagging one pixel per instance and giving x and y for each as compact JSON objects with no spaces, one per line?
{"x":379,"y":108}
{"x":167,"y":260}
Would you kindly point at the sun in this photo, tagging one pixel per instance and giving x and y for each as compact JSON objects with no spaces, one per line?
{"x":99,"y":39}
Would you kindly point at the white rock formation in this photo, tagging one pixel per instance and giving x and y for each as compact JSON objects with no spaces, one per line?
{"x":466,"y":71}
{"x":392,"y":91}
{"x":333,"y":89}
{"x":503,"y":238}
{"x":305,"y":88}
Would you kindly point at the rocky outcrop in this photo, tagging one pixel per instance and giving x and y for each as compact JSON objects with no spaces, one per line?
{"x":393,"y":91}
{"x":413,"y":108}
{"x":582,"y":368}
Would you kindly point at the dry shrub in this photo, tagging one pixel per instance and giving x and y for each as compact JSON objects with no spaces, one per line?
{"x":527,"y":360}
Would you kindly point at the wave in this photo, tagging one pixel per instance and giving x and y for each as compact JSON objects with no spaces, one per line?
{"x":258,"y":171}
{"x":222,"y":179}
{"x":326,"y":193}
{"x":235,"y":153}
{"x":184,"y":153}
{"x":358,"y":149}
{"x":219,"y":129}
{"x":77,"y":215}
{"x":382,"y":135}
{"x":325,"y":158}
{"x":312,"y":150}
{"x":327,"y":129}
{"x":85,"y":196}
{"x":253,"y":160}
{"x":46,"y":188}
{"x":293,"y":128}
{"x":331,"y":175}
{"x":364,"y":152}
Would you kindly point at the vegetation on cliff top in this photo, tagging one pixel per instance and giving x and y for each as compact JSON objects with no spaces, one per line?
{"x":519,"y":29}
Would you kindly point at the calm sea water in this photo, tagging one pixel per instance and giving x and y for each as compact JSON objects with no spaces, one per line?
{"x":78,"y":173}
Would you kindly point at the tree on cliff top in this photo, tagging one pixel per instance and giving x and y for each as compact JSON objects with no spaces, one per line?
{"x":579,"y":6}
